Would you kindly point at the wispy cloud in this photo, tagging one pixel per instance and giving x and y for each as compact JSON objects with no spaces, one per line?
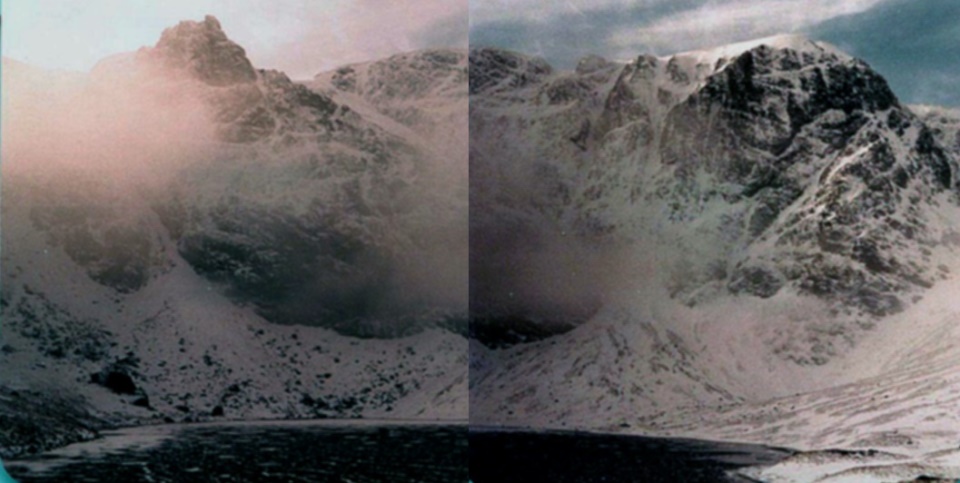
{"x":368,"y":29}
{"x":485,"y":11}
{"x":564,"y":31}
{"x":722,"y":22}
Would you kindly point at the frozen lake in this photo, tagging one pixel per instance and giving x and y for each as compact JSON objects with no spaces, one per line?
{"x":371,"y":451}
{"x":316,"y":451}
{"x":559,"y":457}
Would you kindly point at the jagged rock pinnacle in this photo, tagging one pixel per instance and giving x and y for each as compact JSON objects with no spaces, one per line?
{"x":204,"y":49}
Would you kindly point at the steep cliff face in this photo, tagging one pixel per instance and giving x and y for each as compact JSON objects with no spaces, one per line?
{"x":819,"y":174}
{"x":814,"y":177}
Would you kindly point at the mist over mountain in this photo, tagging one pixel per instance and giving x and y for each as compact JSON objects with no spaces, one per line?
{"x":273,"y":190}
{"x":186,"y":236}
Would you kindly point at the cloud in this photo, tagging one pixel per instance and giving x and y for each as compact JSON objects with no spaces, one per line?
{"x":299,"y":37}
{"x":492,"y":11}
{"x":570,"y":33}
{"x":370,"y":29}
{"x":131,"y":130}
{"x":718,"y":23}
{"x":450,"y":31}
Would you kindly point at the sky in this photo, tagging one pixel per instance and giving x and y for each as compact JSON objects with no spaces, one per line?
{"x":299,"y":37}
{"x":915,"y":44}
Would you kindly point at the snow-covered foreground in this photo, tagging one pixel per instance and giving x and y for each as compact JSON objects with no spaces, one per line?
{"x":887,"y":411}
{"x":861,"y":467}
{"x":899,"y":425}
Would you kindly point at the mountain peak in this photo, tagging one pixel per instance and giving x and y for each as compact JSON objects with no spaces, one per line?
{"x":211,"y":22}
{"x":206,"y":51}
{"x":209,"y":27}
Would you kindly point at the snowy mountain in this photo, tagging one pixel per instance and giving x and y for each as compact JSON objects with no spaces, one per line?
{"x":707,"y":230}
{"x":188,"y":237}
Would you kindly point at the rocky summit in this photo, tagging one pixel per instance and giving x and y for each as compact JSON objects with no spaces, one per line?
{"x":203,"y":49}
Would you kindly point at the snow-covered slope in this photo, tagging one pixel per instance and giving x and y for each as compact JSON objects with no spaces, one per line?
{"x":162,"y":214}
{"x":734,"y":226}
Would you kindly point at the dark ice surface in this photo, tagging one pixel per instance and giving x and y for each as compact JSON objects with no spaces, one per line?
{"x":516,"y":456}
{"x":303,"y":452}
{"x":362,"y":452}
